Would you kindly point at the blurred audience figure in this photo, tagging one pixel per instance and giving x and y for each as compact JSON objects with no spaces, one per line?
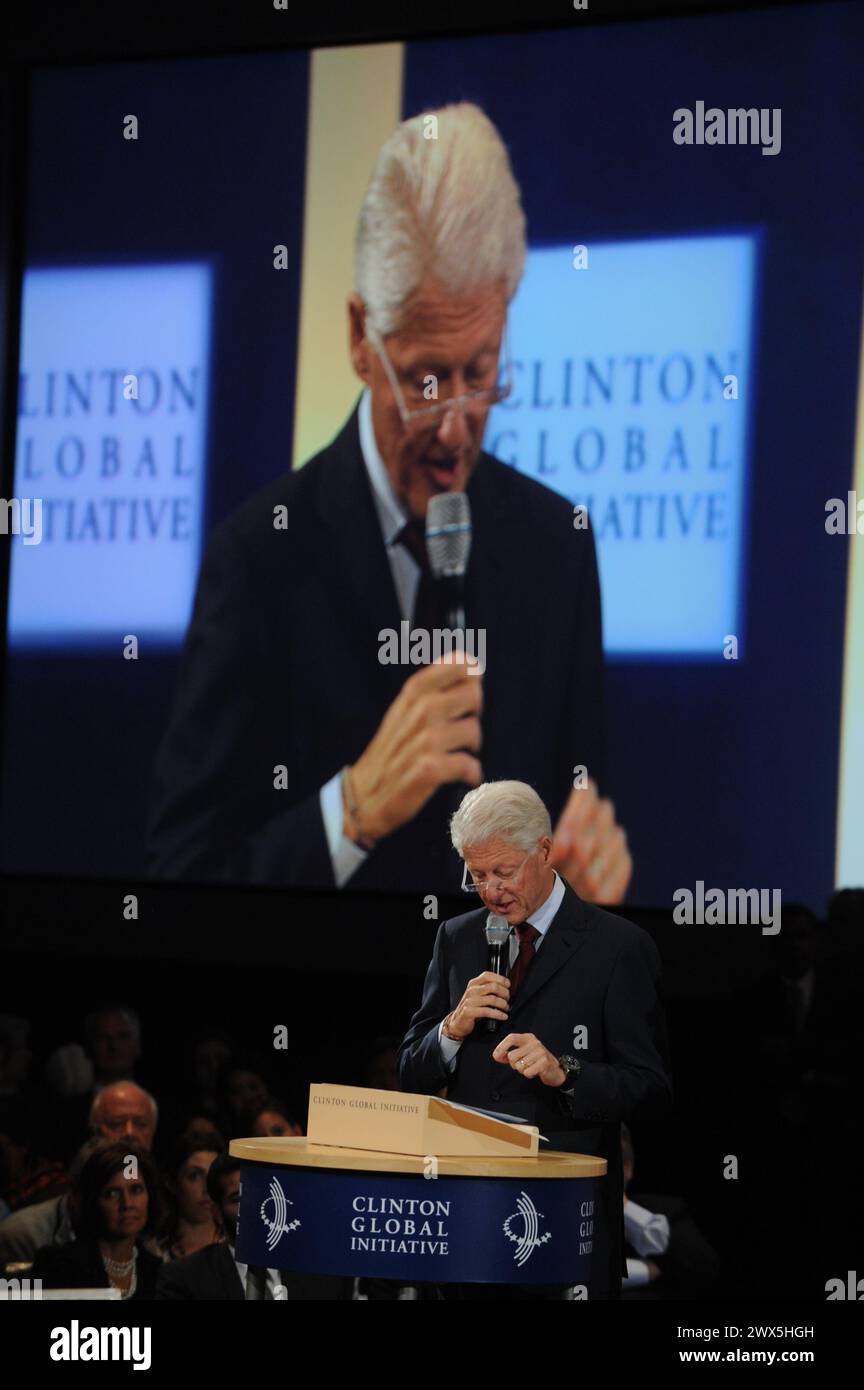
{"x":268,"y":1118}
{"x":43,"y":1223}
{"x":112,"y":1036}
{"x":805,"y":1023}
{"x":215,"y":1273}
{"x":193,"y":1104}
{"x":202,"y":1125}
{"x":27,"y":1174}
{"x":379,"y":1067}
{"x":194,"y":1220}
{"x":845,"y":929}
{"x":209,"y":1053}
{"x":667,"y":1255}
{"x":15,"y":1062}
{"x":75,"y":1074}
{"x":111,"y":1052}
{"x":115,"y":1202}
{"x":241,"y":1083}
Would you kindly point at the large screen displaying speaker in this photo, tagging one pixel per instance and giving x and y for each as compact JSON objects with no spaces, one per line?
{"x":684,"y":352}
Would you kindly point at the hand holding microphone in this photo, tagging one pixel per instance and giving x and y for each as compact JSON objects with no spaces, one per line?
{"x":431,"y":731}
{"x":487,"y":997}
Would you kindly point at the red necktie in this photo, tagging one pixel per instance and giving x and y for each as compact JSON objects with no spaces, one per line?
{"x":527,"y":936}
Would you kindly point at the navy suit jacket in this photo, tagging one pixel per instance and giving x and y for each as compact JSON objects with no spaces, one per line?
{"x":281,"y":668}
{"x":593,"y":969}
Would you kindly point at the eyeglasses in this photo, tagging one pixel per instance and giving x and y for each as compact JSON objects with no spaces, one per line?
{"x":417,"y":419}
{"x":503,"y":878}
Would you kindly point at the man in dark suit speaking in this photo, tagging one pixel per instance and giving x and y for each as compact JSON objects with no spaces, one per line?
{"x":296,"y":752}
{"x":581,"y":1037}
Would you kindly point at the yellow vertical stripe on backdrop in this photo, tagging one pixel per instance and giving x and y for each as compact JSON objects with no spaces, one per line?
{"x":850,"y":802}
{"x":355,"y":102}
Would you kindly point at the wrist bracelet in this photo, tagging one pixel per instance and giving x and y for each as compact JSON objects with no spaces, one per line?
{"x":364,"y":841}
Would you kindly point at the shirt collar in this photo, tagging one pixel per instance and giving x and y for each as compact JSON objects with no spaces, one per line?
{"x":391,"y":514}
{"x":542,"y":918}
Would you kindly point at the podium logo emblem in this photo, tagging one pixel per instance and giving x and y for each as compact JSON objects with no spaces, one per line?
{"x":274,"y":1214}
{"x":526,"y":1241}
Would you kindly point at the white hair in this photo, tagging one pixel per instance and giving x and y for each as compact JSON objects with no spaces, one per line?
{"x":510,"y":811}
{"x":446,"y":208}
{"x":99,"y":1098}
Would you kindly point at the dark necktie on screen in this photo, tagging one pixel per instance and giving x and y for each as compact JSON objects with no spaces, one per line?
{"x":413,"y":538}
{"x":527,"y":936}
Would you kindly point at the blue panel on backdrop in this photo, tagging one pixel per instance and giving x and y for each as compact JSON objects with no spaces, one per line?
{"x":403,"y":1227}
{"x":111,"y":453}
{"x":632,"y":368}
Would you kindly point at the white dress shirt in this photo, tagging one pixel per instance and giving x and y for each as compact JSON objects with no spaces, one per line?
{"x":345,"y":856}
{"x":648,"y":1233}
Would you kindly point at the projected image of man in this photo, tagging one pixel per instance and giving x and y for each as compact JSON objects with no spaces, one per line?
{"x":309,"y":743}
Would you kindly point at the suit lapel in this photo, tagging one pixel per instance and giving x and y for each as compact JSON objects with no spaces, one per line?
{"x":226,"y":1272}
{"x":496,"y":601}
{"x":566,"y":934}
{"x":487,"y":569}
{"x":478,"y":950}
{"x":356,"y":569}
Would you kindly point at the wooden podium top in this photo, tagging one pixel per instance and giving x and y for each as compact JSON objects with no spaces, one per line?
{"x":302,"y":1154}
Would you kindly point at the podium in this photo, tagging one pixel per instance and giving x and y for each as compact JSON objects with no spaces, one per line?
{"x":322,"y":1209}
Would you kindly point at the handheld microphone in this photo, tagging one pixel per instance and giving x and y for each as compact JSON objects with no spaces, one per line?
{"x":497,"y":937}
{"x":448,"y":545}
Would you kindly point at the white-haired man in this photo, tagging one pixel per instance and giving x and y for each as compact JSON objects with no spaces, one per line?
{"x":576,"y":973}
{"x":282,"y":665}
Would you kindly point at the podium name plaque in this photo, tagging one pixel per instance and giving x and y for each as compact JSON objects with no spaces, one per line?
{"x":361,"y":1117}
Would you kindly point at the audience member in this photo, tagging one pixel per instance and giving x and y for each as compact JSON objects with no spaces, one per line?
{"x":667,"y":1255}
{"x":192,"y":1103}
{"x":215,"y":1273}
{"x":194,"y":1221}
{"x":119,"y":1112}
{"x":268,"y":1118}
{"x":15,"y":1061}
{"x":241,"y":1083}
{"x":114,"y":1203}
{"x":27,"y":1174}
{"x":74,"y":1074}
{"x":125,"y":1111}
{"x":379,"y":1068}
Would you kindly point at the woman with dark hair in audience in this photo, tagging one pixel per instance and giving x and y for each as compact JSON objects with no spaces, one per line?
{"x":115,"y":1203}
{"x":267,"y":1118}
{"x":243,"y":1080}
{"x":194,"y":1221}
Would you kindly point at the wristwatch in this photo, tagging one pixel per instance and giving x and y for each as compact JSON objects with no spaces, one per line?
{"x":571,"y":1065}
{"x":444,"y":1028}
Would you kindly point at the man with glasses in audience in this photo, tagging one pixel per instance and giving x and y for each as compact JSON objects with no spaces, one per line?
{"x":296,"y":753}
{"x":580,"y":1039}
